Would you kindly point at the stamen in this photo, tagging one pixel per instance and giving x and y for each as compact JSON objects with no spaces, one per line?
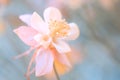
{"x":58,"y":28}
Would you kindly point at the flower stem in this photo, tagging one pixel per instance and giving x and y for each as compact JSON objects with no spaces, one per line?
{"x":56,"y":73}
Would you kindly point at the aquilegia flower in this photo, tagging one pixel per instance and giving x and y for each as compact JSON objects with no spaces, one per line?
{"x":47,"y":38}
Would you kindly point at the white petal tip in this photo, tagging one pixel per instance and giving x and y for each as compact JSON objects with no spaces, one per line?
{"x":74,"y":32}
{"x":52,"y":13}
{"x":35,"y":13}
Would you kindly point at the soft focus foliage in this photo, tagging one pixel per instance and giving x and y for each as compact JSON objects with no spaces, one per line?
{"x":2,"y":26}
{"x":98,"y":44}
{"x":4,"y":2}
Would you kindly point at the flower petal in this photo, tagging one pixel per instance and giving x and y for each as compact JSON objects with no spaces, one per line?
{"x":38,"y":24}
{"x":38,"y":37}
{"x":43,"y":40}
{"x":26,"y":18}
{"x":26,"y":34}
{"x":73,"y":33}
{"x":62,"y":58}
{"x":44,"y":62}
{"x":61,"y":46}
{"x":52,"y":13}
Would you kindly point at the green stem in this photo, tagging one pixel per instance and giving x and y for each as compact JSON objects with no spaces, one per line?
{"x":56,"y":73}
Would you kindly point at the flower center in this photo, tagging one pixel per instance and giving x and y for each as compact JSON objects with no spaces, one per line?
{"x":58,"y":28}
{"x":46,"y":37}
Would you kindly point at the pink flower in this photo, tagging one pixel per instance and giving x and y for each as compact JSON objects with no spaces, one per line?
{"x":47,"y":38}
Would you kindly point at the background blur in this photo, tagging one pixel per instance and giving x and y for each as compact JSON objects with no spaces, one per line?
{"x":98,"y":44}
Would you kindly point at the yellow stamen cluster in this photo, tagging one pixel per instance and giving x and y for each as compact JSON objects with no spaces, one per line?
{"x":58,"y":28}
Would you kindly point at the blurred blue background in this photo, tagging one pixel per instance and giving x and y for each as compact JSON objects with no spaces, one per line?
{"x":98,"y":43}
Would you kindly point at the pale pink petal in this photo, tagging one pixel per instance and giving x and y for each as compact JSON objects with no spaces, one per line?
{"x":44,"y":62}
{"x":38,"y":24}
{"x":73,"y":33}
{"x":43,"y":40}
{"x":61,"y":46}
{"x":38,"y":37}
{"x":26,"y":18}
{"x":46,"y":43}
{"x":63,"y":59}
{"x":26,"y":34}
{"x":52,"y":13}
